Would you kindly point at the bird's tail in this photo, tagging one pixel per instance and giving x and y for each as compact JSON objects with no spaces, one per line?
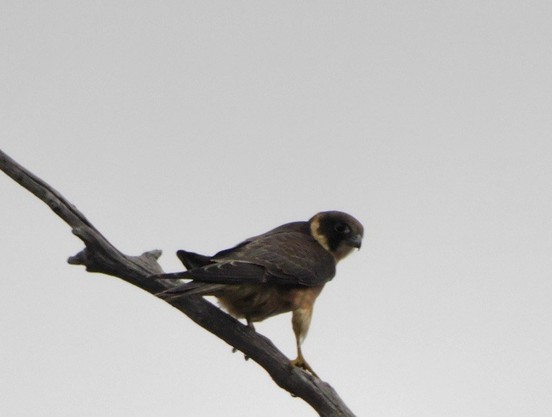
{"x":190,"y":289}
{"x":193,"y":260}
{"x":190,"y":260}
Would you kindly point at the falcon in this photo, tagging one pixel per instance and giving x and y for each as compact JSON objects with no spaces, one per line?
{"x":279,"y":271}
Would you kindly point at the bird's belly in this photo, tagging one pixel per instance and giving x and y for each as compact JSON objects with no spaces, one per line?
{"x":258,"y":302}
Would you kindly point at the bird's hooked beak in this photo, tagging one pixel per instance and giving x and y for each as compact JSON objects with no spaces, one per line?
{"x":355,"y":241}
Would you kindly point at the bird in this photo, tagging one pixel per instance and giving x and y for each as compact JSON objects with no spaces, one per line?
{"x":282,"y":270}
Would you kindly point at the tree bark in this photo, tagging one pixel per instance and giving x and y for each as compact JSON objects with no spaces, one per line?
{"x":99,"y":255}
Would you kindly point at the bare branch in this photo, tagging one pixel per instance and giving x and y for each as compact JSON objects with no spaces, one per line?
{"x":101,"y":256}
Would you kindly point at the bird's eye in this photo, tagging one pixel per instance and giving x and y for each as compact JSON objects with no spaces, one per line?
{"x":342,"y":228}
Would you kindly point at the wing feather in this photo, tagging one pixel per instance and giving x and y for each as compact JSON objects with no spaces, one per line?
{"x":287,"y":257}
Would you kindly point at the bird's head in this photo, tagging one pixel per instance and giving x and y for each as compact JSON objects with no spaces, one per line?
{"x":339,"y":233}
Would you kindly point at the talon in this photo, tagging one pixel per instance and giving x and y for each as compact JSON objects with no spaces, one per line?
{"x":300,"y":362}
{"x":234,"y":350}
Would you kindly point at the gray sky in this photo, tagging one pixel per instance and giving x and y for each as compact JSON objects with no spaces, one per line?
{"x":178,"y":124}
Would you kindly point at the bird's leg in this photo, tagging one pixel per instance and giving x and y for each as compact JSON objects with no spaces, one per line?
{"x":301,"y":321}
{"x":301,"y":362}
{"x":250,"y":326}
{"x":250,"y":323}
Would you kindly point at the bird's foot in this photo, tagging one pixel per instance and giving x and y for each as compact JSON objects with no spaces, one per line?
{"x":234,"y":350}
{"x":250,"y":326}
{"x":300,"y":362}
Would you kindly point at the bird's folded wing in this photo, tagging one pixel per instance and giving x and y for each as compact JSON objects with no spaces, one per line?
{"x":287,"y":258}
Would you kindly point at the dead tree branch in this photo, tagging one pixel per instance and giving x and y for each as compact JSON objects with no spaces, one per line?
{"x":99,"y":255}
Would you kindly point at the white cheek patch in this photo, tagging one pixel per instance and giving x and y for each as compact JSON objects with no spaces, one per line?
{"x":343,"y":251}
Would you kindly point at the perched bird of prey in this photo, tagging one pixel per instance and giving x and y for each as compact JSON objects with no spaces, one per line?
{"x":282,"y":270}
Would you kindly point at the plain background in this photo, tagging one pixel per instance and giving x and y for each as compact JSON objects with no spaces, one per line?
{"x":179,"y":124}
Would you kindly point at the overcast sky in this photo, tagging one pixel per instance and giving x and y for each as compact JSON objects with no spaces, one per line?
{"x":179,"y":124}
